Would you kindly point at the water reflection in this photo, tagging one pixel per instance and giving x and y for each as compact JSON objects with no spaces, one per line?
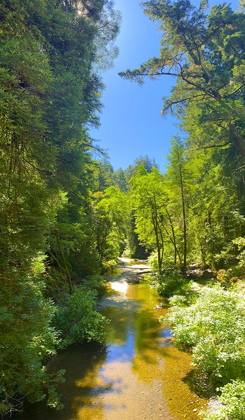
{"x":121,"y":322}
{"x":82,"y":364}
{"x":135,"y":356}
{"x":126,"y":379}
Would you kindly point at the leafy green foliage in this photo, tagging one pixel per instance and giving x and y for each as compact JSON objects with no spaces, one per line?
{"x":95,"y":283}
{"x":147,"y":198}
{"x":103,"y":174}
{"x":169,"y":283}
{"x":204,"y":54}
{"x":65,"y":214}
{"x":203,"y":188}
{"x":233,"y":403}
{"x":25,"y":340}
{"x":214,"y":326}
{"x":198,"y":52}
{"x":160,"y":207}
{"x":77,"y":318}
{"x":49,"y":94}
{"x":109,"y":221}
{"x":233,"y":256}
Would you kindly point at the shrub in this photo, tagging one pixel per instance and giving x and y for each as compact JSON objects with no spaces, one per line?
{"x":233,"y":256}
{"x":26,"y":340}
{"x":109,"y":265}
{"x":170,"y":283}
{"x":77,"y":318}
{"x":228,"y":278}
{"x":232,"y":403}
{"x":190,"y":292}
{"x":153,"y":261}
{"x":215,"y":326}
{"x":96,"y":283}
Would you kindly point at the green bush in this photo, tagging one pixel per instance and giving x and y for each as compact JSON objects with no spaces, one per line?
{"x":232,"y":403}
{"x":77,"y":318}
{"x":188,"y":294}
{"x":26,"y":340}
{"x":96,"y":283}
{"x":215,"y":326}
{"x":109,"y":265}
{"x":153,"y":261}
{"x":169,"y":283}
{"x":233,"y":256}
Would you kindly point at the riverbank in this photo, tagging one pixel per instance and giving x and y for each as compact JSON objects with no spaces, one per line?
{"x":138,"y":375}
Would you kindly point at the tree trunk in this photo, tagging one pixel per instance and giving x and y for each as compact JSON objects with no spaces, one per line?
{"x":184,"y":219}
{"x":159,"y":256}
{"x":176,"y":252}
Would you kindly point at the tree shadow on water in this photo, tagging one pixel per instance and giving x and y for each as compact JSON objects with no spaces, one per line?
{"x":82,"y":389}
{"x":150,"y":344}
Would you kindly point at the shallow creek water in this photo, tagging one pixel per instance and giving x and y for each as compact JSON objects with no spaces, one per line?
{"x":139,"y":375}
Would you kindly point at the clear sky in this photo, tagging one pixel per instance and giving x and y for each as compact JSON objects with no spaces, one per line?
{"x":131,"y":122}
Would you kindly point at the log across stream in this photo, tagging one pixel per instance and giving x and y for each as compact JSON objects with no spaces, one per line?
{"x":138,"y":375}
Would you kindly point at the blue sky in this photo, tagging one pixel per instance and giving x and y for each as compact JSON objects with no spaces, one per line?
{"x":131,"y":122}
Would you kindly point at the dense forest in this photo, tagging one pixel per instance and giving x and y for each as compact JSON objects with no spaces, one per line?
{"x":67,"y":215}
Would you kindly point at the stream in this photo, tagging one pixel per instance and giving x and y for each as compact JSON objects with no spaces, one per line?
{"x":138,"y":375}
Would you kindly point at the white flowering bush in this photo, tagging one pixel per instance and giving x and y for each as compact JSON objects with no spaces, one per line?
{"x":214,"y":325}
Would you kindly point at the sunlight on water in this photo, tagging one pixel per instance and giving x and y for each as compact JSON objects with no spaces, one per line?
{"x":138,"y":374}
{"x":121,"y":287}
